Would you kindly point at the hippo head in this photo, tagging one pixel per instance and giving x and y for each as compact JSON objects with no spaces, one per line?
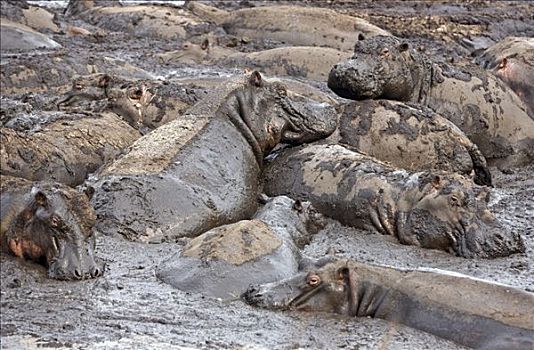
{"x":381,"y":67}
{"x":449,"y":212}
{"x":321,"y":286}
{"x":86,"y":89}
{"x":266,"y":114}
{"x":56,"y":228}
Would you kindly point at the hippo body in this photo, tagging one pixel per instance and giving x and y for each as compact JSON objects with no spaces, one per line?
{"x":481,"y":105}
{"x":512,"y":60}
{"x":202,"y":170}
{"x":51,"y":223}
{"x":16,"y":36}
{"x":435,"y":210}
{"x":472,"y":312}
{"x":410,"y":138}
{"x":65,"y":148}
{"x":299,"y":26}
{"x":224,"y":261}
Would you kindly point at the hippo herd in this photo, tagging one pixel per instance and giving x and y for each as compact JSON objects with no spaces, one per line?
{"x":247,"y":169}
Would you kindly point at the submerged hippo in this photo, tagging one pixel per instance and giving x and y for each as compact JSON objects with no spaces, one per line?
{"x":62,"y":147}
{"x":512,"y":60}
{"x":482,"y":106}
{"x":296,"y":25}
{"x":224,"y":261}
{"x":49,"y":223}
{"x":201,"y":170}
{"x":468,"y":311}
{"x":411,"y":138}
{"x":436,"y":210}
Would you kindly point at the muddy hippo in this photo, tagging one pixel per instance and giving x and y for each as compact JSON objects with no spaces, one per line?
{"x":512,"y":60}
{"x":50,"y":223}
{"x":435,"y":210}
{"x":466,"y":310}
{"x":63,"y":147}
{"x":201,"y":170}
{"x":294,"y":25}
{"x":411,"y":138}
{"x":223,"y":262}
{"x":482,"y":106}
{"x":19,"y":37}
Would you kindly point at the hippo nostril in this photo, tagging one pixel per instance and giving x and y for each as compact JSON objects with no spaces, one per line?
{"x":96,"y":272}
{"x":78,"y":273}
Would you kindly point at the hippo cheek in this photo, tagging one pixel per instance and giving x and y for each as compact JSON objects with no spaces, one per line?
{"x":27,"y":249}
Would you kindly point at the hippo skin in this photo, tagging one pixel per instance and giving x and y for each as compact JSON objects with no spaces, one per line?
{"x":224,"y":261}
{"x":202,"y":170}
{"x":411,"y":138}
{"x":51,"y":223}
{"x":469,"y":311}
{"x":512,"y":60}
{"x":432,"y":209}
{"x":62,"y":147}
{"x":481,"y":105}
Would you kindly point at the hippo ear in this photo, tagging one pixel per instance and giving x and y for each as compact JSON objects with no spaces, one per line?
{"x":361,"y":37}
{"x":404,"y":46}
{"x":205,"y":44}
{"x":347,"y":276}
{"x":298,"y":206}
{"x":256,"y":79}
{"x":40,"y":198}
{"x":437,"y":181}
{"x":503,"y":63}
{"x":103,"y":82}
{"x":89,"y":192}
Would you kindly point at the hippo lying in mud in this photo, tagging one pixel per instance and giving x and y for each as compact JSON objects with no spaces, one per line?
{"x":512,"y":60}
{"x":436,"y":210}
{"x":223,"y":262}
{"x":411,"y":138}
{"x":482,"y":106}
{"x":62,"y":147}
{"x":468,"y":311}
{"x":202,"y":170}
{"x":49,"y":223}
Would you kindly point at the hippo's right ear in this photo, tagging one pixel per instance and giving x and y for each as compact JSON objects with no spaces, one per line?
{"x":403,"y":47}
{"x":205,"y":44}
{"x":103,"y":82}
{"x":89,"y":192}
{"x":40,"y":198}
{"x":503,"y":63}
{"x":361,"y":37}
{"x":256,"y":79}
{"x":298,"y":206}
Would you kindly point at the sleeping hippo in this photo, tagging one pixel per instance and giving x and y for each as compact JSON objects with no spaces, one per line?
{"x":50,"y":223}
{"x":482,"y":106}
{"x":512,"y":60}
{"x":62,"y":147}
{"x":430,"y":209}
{"x":225,"y":260}
{"x":471,"y":312}
{"x":411,"y":138}
{"x":201,"y":171}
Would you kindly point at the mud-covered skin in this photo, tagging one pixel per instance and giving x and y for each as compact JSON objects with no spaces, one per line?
{"x":468,"y":311}
{"x":435,"y":210}
{"x":512,"y":60}
{"x":63,"y":147}
{"x":300,"y":26}
{"x":410,"y":138}
{"x":18,"y":37}
{"x":201,"y":170}
{"x":144,"y":104}
{"x":223,"y":262}
{"x":49,"y":223}
{"x":482,"y":106}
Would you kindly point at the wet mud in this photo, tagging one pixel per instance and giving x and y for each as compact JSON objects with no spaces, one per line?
{"x":130,"y":308}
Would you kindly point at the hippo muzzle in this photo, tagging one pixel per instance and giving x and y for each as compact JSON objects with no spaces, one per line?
{"x":74,"y":261}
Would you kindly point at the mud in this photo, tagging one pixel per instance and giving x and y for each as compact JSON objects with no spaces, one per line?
{"x":129,"y":308}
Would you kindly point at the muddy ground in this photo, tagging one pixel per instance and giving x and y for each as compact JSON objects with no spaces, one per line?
{"x":129,"y":308}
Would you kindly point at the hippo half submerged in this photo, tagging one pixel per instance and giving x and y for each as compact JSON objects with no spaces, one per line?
{"x":481,"y":105}
{"x":469,"y":311}
{"x":205,"y":169}
{"x":50,"y":223}
{"x":436,"y":210}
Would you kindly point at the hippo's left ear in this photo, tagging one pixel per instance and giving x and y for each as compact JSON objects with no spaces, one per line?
{"x":256,"y":79}
{"x":40,"y":198}
{"x":503,"y":63}
{"x":404,"y":46}
{"x":89,"y":191}
{"x":298,"y":206}
{"x":437,"y":181}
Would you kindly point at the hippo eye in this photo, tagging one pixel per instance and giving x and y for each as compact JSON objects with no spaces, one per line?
{"x":78,"y":86}
{"x":454,"y":200}
{"x":313,"y":280}
{"x":385,"y":51}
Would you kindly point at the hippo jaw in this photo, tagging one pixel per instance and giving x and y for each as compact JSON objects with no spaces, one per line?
{"x":456,"y":219}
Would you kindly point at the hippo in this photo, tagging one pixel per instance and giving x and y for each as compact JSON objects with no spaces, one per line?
{"x":225,"y":260}
{"x":50,"y":223}
{"x":430,"y":209}
{"x":202,"y":170}
{"x":19,"y":37}
{"x":34,"y":17}
{"x":512,"y":60}
{"x":482,"y":106}
{"x":62,"y":147}
{"x":469,"y":311}
{"x":292,"y":25}
{"x":411,"y":137}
